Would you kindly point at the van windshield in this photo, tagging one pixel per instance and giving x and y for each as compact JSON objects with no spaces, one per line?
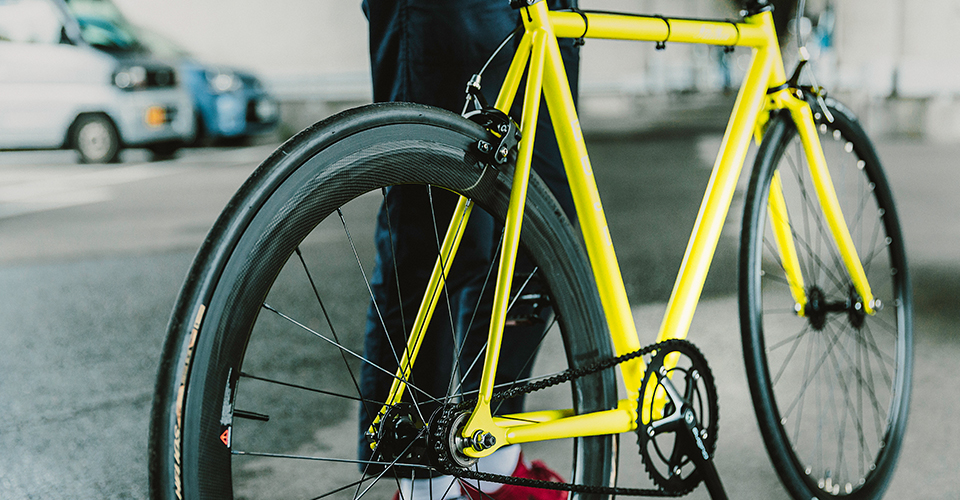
{"x":104,"y":27}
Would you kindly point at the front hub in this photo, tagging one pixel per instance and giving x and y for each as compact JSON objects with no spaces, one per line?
{"x":816,"y":310}
{"x":818,"y":307}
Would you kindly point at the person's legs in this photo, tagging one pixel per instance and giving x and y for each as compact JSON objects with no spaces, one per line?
{"x":425,"y":51}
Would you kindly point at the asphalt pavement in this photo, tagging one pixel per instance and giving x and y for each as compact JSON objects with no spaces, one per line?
{"x":92,"y":257}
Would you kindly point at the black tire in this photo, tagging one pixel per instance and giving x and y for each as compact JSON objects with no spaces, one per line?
{"x":253,"y":253}
{"x":95,"y":139}
{"x":163,"y":151}
{"x":831,"y":389}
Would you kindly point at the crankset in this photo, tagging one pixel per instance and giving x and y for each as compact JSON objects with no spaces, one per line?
{"x":678,"y":419}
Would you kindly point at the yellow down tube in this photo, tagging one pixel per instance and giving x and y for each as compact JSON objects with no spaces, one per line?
{"x":720,"y":190}
{"x":596,"y":234}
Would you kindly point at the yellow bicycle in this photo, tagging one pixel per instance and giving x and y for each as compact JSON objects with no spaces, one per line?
{"x":258,"y":392}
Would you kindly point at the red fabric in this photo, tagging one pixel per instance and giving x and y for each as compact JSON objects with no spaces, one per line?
{"x":537,"y":470}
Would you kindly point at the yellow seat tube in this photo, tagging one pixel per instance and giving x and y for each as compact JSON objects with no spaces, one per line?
{"x":820,"y":174}
{"x":508,"y":90}
{"x":481,"y":419}
{"x":586,"y":197}
{"x":451,"y":241}
{"x":786,"y":245}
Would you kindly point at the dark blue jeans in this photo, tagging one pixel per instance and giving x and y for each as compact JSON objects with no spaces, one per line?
{"x":425,"y":51}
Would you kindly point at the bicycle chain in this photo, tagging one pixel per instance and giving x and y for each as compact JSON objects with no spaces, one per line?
{"x":446,"y":414}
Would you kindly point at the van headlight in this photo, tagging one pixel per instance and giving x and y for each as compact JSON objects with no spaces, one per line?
{"x":221,"y":82}
{"x":130,"y":77}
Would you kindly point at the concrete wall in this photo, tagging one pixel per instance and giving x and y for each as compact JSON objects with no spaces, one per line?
{"x":313,"y":54}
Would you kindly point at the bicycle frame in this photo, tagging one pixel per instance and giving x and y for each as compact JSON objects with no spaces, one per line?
{"x":764,"y":90}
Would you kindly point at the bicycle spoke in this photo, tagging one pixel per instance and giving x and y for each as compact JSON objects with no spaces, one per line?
{"x":311,"y":389}
{"x":387,"y":468}
{"x":393,"y":259}
{"x":326,"y":316}
{"x":862,"y":345}
{"x":793,"y":349}
{"x":816,"y":370}
{"x":885,"y":359}
{"x":813,"y":260}
{"x":455,"y":339}
{"x":343,"y":488}
{"x":803,"y":193}
{"x":886,"y":327}
{"x":482,"y":350}
{"x":857,"y":217}
{"x":860,"y":378}
{"x":345,"y":349}
{"x":393,"y":249}
{"x":458,"y":374}
{"x":849,"y":409}
{"x":320,"y":459}
{"x":804,"y":332}
{"x":530,"y":358}
{"x":792,"y":338}
{"x":875,"y":250}
{"x":809,"y":210}
{"x":775,"y":255}
{"x":823,"y":234}
{"x":373,"y":301}
{"x":806,"y":373}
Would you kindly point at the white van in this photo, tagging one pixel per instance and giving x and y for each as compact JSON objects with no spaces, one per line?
{"x":72,"y":75}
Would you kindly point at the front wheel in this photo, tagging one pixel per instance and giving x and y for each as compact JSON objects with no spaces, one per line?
{"x":830,"y":384}
{"x":264,"y":386}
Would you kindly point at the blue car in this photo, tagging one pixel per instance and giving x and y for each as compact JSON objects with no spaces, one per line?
{"x":230,"y":104}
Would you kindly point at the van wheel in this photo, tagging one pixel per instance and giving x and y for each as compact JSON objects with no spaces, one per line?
{"x":164,"y":150}
{"x":95,"y":139}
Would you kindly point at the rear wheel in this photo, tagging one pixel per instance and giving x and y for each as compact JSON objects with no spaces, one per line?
{"x":260,"y":385}
{"x":830,"y":386}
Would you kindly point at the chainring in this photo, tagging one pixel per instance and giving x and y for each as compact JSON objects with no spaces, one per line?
{"x":666,"y":456}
